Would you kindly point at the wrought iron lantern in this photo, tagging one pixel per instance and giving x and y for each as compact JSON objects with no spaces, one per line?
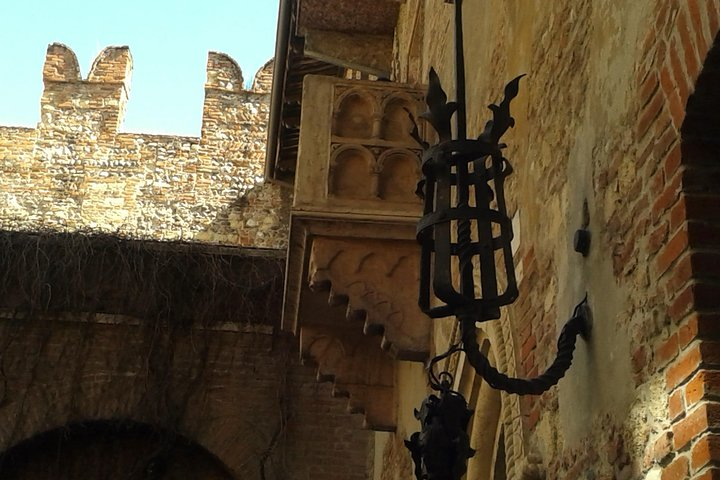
{"x":467,"y":268}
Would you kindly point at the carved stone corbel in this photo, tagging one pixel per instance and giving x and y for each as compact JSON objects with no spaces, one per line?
{"x":368,"y":276}
{"x":358,"y":370}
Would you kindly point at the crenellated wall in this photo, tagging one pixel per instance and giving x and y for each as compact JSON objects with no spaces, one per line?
{"x":77,"y":171}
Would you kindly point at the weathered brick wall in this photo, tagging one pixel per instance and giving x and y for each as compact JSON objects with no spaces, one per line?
{"x":78,"y":172}
{"x":601,"y":120}
{"x":238,"y":393}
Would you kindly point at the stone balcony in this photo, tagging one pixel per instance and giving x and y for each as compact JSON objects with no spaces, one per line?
{"x":351,"y":292}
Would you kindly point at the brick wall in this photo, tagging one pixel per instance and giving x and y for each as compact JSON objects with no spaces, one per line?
{"x":681,"y":85}
{"x":77,"y":171}
{"x":603,"y":140}
{"x":239,"y":394}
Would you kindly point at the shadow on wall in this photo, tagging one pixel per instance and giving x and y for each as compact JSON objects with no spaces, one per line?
{"x":110,"y":449}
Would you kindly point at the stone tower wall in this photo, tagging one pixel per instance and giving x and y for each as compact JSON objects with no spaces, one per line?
{"x":77,"y":172}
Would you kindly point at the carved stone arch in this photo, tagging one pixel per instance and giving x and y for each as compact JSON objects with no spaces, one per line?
{"x":352,"y":172}
{"x":110,"y":448}
{"x":356,"y":111}
{"x":486,"y":428}
{"x":399,"y":174}
{"x":396,"y":124}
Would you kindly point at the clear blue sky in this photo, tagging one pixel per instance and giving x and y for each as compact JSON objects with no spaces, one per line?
{"x":168,"y":40}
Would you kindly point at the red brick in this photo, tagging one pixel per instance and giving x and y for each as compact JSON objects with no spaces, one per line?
{"x":668,"y":136}
{"x":668,"y":197}
{"x":648,"y":88}
{"x":661,"y":18}
{"x":671,"y":251}
{"x":688,"y":331}
{"x":704,"y":326}
{"x":677,"y":110}
{"x":698,"y":26}
{"x":682,"y":304}
{"x":676,"y":405}
{"x":697,"y":422}
{"x":681,"y":275}
{"x":666,"y":351}
{"x":526,"y":331}
{"x":673,"y":160}
{"x":678,"y":72}
{"x":662,"y":447}
{"x":533,"y":418}
{"x":704,"y":384}
{"x":667,"y":81}
{"x":684,"y":367}
{"x":677,"y":470}
{"x":657,"y":238}
{"x":528,"y":346}
{"x":528,"y":364}
{"x":705,"y":451}
{"x":657,"y":182}
{"x":646,"y":158}
{"x":678,"y":214}
{"x":648,"y":114}
{"x":692,"y":63}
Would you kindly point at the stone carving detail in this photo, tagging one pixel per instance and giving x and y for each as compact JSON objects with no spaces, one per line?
{"x":368,"y":277}
{"x":373,"y":155}
{"x":358,"y":370}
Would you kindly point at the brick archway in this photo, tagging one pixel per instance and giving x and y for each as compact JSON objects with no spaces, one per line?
{"x":693,"y":262}
{"x":109,"y":449}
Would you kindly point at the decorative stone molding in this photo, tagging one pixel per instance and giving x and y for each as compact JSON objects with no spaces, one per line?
{"x":353,"y":259}
{"x":369,"y":277}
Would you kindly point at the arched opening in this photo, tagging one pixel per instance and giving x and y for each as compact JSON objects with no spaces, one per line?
{"x":700,"y":170}
{"x":354,"y":117}
{"x":399,"y":176}
{"x":110,"y":450}
{"x":351,"y":175}
{"x":396,"y":124}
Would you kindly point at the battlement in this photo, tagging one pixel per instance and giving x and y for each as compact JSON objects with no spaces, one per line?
{"x":77,"y":172}
{"x":99,"y":102}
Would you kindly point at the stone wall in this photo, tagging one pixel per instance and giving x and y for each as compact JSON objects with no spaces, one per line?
{"x":602,"y":142}
{"x":78,"y":172}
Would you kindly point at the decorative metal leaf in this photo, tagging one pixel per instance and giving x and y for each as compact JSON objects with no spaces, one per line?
{"x":502,"y":120}
{"x":415,"y":133}
{"x":420,"y":189}
{"x":440,"y":111}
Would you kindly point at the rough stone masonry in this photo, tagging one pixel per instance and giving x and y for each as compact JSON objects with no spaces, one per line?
{"x":78,"y":172}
